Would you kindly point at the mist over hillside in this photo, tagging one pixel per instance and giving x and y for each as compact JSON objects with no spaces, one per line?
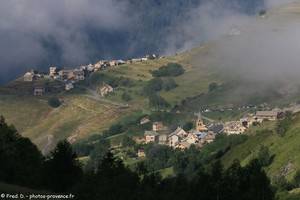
{"x":36,"y":34}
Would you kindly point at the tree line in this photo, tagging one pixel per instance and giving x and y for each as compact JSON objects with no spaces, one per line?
{"x":61,"y":172}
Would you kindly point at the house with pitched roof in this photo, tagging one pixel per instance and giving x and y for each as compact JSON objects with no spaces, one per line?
{"x":151,"y":136}
{"x":105,"y":89}
{"x":266,"y":115}
{"x":234,"y":128}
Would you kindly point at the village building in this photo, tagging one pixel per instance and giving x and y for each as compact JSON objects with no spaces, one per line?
{"x":66,"y":74}
{"x":90,"y":68}
{"x":158,"y":126}
{"x":176,"y":137}
{"x":98,"y":65}
{"x":266,"y":115}
{"x":145,"y":120}
{"x":210,"y":137}
{"x":247,"y":121}
{"x":180,"y":132}
{"x":133,"y":60}
{"x":150,"y":136}
{"x":234,"y":127}
{"x":200,"y":126}
{"x":217,"y":128}
{"x":121,"y":62}
{"x":205,"y":137}
{"x":53,"y":71}
{"x":78,"y":74}
{"x":183,"y":145}
{"x":191,"y":138}
{"x":38,"y":91}
{"x":29,"y":77}
{"x":163,"y":139}
{"x":152,"y":56}
{"x":173,"y":140}
{"x":113,"y":63}
{"x":102,"y":64}
{"x":201,"y":136}
{"x":141,"y":153}
{"x":139,"y":139}
{"x":69,"y":86}
{"x":105,"y":90}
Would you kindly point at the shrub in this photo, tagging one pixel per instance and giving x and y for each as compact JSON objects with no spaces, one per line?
{"x":54,"y":102}
{"x":264,"y":157}
{"x":171,"y":69}
{"x":156,"y":101}
{"x":188,"y":126}
{"x":283,"y":125}
{"x":152,"y":86}
{"x":113,"y":130}
{"x":169,"y":84}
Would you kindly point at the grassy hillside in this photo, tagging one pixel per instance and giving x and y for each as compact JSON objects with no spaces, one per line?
{"x":82,"y":112}
{"x":284,"y":149}
{"x":78,"y":116}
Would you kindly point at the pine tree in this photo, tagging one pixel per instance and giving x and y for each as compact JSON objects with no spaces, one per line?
{"x":62,"y":169}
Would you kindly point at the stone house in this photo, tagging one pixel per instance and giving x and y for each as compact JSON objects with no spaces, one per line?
{"x":78,"y":75}
{"x":38,"y":91}
{"x":145,"y":120}
{"x":150,"y":136}
{"x":234,"y":127}
{"x":53,"y":71}
{"x":217,"y":128}
{"x":113,"y":63}
{"x":266,"y":115}
{"x":183,"y":145}
{"x":158,"y":126}
{"x":191,"y":138}
{"x":29,"y":77}
{"x":105,"y":90}
{"x":180,"y":132}
{"x":69,"y":86}
{"x":210,"y":137}
{"x":139,"y":139}
{"x":163,"y":139}
{"x":66,"y":74}
{"x":173,"y":140}
{"x":141,"y":153}
{"x":176,"y":137}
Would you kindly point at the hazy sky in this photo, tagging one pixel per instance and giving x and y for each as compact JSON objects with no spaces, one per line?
{"x":29,"y":28}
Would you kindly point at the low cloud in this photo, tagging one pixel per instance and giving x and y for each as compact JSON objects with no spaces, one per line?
{"x":28,"y":29}
{"x":36,"y":34}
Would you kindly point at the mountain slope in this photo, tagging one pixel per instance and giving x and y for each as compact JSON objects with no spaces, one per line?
{"x":83,"y":114}
{"x":285,"y":149}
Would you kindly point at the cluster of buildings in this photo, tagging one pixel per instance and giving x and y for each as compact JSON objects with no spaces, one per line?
{"x":179,"y":138}
{"x":239,"y":127}
{"x":70,"y":76}
{"x":202,"y":133}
